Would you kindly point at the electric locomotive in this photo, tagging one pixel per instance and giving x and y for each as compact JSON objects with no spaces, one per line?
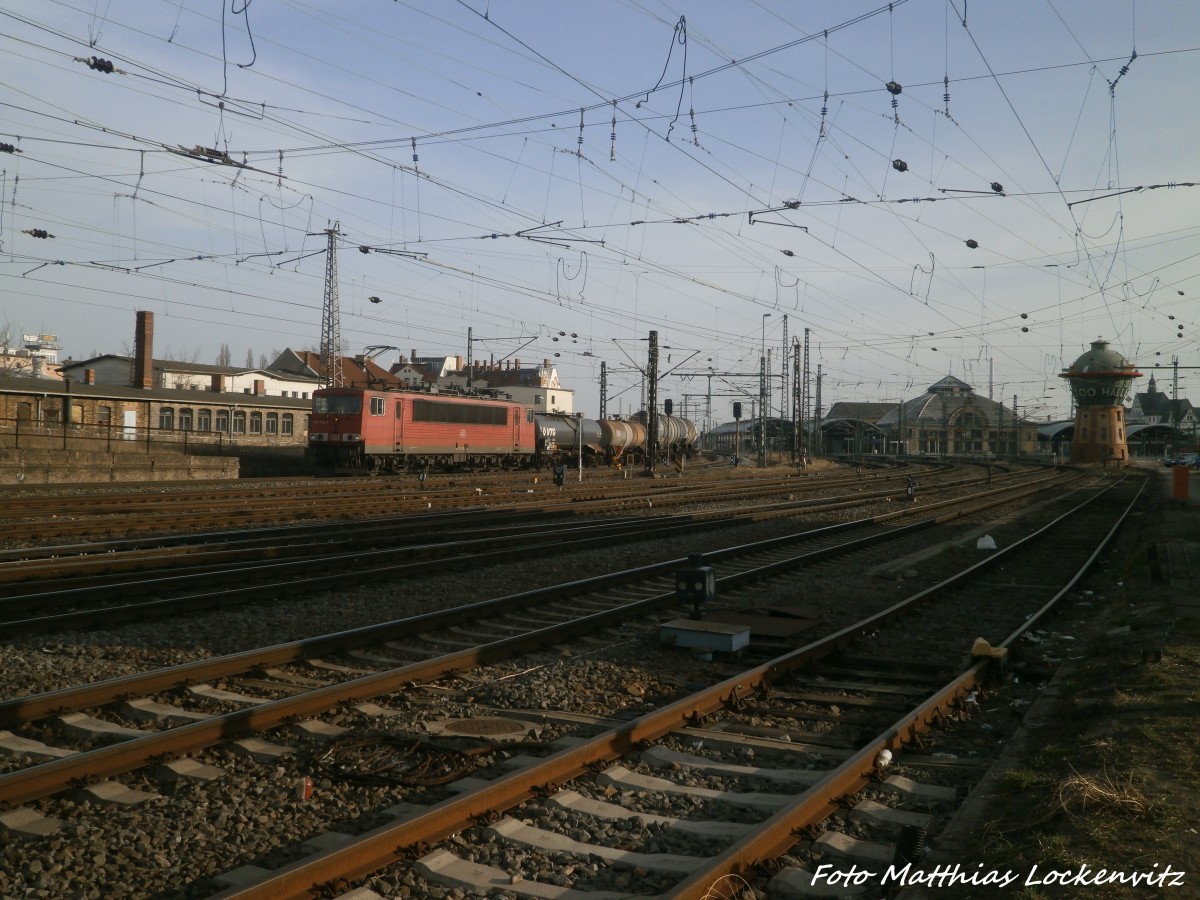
{"x":391,"y":431}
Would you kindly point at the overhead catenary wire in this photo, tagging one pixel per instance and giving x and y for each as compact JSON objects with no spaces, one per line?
{"x":748,"y":249}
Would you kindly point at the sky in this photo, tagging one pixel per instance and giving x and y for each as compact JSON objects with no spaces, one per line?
{"x":920,"y":189}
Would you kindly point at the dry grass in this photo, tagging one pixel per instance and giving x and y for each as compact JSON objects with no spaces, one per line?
{"x":1115,"y":781}
{"x":1080,"y":795}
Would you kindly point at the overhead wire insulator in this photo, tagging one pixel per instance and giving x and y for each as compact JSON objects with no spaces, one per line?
{"x":895,"y":89}
{"x":364,"y":249}
{"x":972,"y":243}
{"x":38,"y":233}
{"x":899,"y":165}
{"x":100,"y":65}
{"x":612,"y":149}
{"x":9,"y":148}
{"x":997,"y":187}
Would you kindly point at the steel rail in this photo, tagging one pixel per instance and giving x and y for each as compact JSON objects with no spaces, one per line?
{"x":778,"y":833}
{"x":382,"y":846}
{"x":265,"y":507}
{"x":46,"y":778}
{"x":431,"y":557}
{"x":24,"y":709}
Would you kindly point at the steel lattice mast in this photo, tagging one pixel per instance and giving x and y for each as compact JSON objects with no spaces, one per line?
{"x":603,"y":389}
{"x":652,"y":404}
{"x":331,"y":317}
{"x":806,"y":398}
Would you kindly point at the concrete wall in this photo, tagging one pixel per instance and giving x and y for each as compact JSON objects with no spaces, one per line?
{"x":92,"y":467}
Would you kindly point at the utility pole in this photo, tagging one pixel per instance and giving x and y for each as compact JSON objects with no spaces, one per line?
{"x":1016,"y":429}
{"x":708,"y":403}
{"x":795,"y":398}
{"x":819,"y":435}
{"x":762,"y":411}
{"x":470,"y":356}
{"x":763,"y":395}
{"x":331,"y":317}
{"x":603,"y":390}
{"x":652,"y":404}
{"x":784,"y":365}
{"x":806,"y":395}
{"x":1175,"y":392}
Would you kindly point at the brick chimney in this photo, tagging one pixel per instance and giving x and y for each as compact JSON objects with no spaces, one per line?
{"x":143,"y":358}
{"x":89,"y":376}
{"x":260,"y":387}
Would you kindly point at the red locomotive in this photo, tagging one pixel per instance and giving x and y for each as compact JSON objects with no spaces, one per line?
{"x":383,"y":431}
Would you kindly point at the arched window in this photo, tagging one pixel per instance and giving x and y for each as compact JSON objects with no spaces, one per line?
{"x":285,"y":424}
{"x":256,"y":423}
{"x":204,"y":420}
{"x":239,"y":422}
{"x":185,"y":419}
{"x":272,"y":423}
{"x":103,"y":415}
{"x":166,"y":418}
{"x":223,"y":421}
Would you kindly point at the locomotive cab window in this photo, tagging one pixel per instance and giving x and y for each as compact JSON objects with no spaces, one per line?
{"x":377,"y":405}
{"x":337,"y":404}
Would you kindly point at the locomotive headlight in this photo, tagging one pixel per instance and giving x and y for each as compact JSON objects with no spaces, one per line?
{"x":351,"y":437}
{"x":317,"y":438}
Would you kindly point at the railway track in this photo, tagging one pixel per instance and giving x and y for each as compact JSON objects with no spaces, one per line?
{"x":804,"y":785}
{"x":39,"y":517}
{"x":96,"y":583}
{"x":28,"y":714}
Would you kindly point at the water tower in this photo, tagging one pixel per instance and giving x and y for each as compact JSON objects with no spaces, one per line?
{"x":1100,"y":380}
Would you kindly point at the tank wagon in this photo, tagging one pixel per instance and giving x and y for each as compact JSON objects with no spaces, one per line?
{"x":393,"y":431}
{"x":608,"y":441}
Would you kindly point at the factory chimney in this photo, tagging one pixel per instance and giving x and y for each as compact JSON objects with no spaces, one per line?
{"x":143,"y":359}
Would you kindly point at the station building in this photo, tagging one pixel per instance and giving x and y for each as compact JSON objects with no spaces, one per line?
{"x":948,"y":419}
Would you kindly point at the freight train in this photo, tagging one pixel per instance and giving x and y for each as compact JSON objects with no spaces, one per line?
{"x":395,"y":431}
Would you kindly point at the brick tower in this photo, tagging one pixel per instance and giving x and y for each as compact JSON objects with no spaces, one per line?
{"x":1100,"y":380}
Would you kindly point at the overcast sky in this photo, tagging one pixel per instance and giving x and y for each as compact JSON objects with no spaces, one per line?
{"x":1022,"y":189}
